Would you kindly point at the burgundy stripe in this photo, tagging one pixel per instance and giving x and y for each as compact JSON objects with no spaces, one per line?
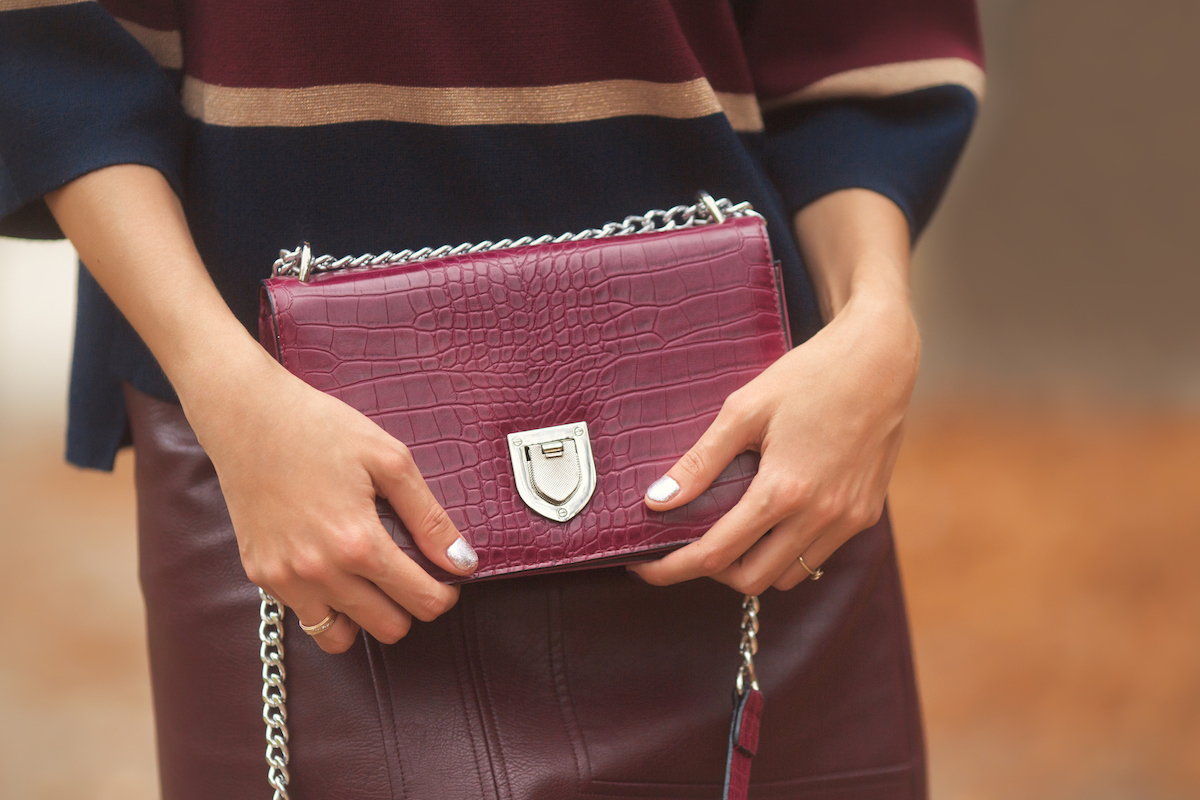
{"x":470,"y":43}
{"x":792,"y":45}
{"x":712,"y":32}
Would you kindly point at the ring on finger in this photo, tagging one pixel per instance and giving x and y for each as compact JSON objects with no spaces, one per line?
{"x":322,"y":626}
{"x":815,"y":574}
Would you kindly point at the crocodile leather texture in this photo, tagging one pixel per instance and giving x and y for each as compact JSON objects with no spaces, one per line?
{"x":642,"y":337}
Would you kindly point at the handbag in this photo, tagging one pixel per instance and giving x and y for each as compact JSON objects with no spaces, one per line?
{"x":541,"y":384}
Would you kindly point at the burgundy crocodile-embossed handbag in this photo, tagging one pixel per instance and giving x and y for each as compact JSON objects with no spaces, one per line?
{"x":543,"y":384}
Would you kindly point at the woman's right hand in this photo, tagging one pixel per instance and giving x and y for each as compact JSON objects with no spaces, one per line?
{"x":300,"y":471}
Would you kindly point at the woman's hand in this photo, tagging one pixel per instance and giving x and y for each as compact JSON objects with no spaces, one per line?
{"x":298,"y":468}
{"x":826,"y":417}
{"x":300,"y":471}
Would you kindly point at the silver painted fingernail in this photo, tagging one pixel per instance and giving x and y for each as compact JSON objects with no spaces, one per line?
{"x":663,"y":489}
{"x":462,"y":555}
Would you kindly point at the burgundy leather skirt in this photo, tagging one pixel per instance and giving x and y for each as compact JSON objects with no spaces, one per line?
{"x":578,"y":685}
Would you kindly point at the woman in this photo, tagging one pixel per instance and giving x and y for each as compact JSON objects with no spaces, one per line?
{"x":179,"y":145}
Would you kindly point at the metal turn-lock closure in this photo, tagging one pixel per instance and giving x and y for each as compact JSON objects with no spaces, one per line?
{"x":554,"y":470}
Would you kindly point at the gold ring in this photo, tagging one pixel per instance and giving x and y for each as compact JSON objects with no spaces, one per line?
{"x":322,"y":626}
{"x":816,"y":574}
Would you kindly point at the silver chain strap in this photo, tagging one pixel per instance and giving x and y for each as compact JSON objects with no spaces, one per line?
{"x":705,"y":211}
{"x":749,"y":645}
{"x":301,"y":263}
{"x":274,"y":694}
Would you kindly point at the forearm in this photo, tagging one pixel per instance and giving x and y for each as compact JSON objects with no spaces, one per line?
{"x":856,"y":246}
{"x":130,"y":231}
{"x":855,"y":243}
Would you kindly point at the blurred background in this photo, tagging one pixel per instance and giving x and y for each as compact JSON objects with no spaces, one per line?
{"x":1046,"y":503}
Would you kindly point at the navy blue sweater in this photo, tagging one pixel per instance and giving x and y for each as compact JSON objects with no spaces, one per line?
{"x":369,"y":126}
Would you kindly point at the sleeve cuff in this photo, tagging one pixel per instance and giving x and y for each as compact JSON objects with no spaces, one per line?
{"x":903,"y":147}
{"x":77,"y":93}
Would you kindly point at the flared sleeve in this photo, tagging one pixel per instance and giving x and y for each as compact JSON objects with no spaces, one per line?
{"x":874,"y":94}
{"x":78,"y":92}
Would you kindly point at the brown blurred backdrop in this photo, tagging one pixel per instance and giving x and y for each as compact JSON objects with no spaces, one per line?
{"x":1047,"y":502}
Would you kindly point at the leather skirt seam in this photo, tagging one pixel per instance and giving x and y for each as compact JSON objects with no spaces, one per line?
{"x":562,"y":685}
{"x":477,"y":729}
{"x":386,"y":702}
{"x":491,"y":720}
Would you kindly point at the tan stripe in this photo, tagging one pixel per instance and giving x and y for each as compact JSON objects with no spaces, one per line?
{"x":889,"y":79}
{"x":17,"y":5}
{"x":742,"y":110}
{"x":537,"y":105}
{"x":165,"y":46}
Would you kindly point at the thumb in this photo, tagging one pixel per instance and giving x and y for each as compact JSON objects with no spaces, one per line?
{"x":397,"y":478}
{"x":724,"y":440}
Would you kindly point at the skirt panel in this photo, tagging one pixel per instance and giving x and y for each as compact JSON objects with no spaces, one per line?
{"x":578,"y":685}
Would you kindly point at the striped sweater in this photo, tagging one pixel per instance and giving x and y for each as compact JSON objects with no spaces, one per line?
{"x":364,"y":125}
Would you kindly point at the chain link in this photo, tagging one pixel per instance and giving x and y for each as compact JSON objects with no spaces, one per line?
{"x":274,"y":694}
{"x":749,"y":645}
{"x":705,"y":211}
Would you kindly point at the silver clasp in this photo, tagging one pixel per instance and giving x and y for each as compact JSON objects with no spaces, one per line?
{"x":555,"y":473}
{"x":710,"y":205}
{"x":305,"y":262}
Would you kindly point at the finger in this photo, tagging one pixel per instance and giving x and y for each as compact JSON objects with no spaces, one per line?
{"x":358,"y":603}
{"x":338,"y":637}
{"x":405,"y":582}
{"x":731,"y":536}
{"x":364,"y":602}
{"x":728,"y":436}
{"x":399,"y":480}
{"x":815,"y":556}
{"x":771,"y":557}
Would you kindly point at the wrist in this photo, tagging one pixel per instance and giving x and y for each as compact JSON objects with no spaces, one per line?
{"x":853,"y":242}
{"x":216,"y":375}
{"x":871,"y":280}
{"x":876,"y":313}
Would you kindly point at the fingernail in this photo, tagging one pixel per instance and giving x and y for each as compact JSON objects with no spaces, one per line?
{"x":462,"y":555}
{"x":634,"y":576}
{"x":663,"y":489}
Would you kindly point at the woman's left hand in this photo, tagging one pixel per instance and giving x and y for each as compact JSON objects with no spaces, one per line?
{"x":826,"y":419}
